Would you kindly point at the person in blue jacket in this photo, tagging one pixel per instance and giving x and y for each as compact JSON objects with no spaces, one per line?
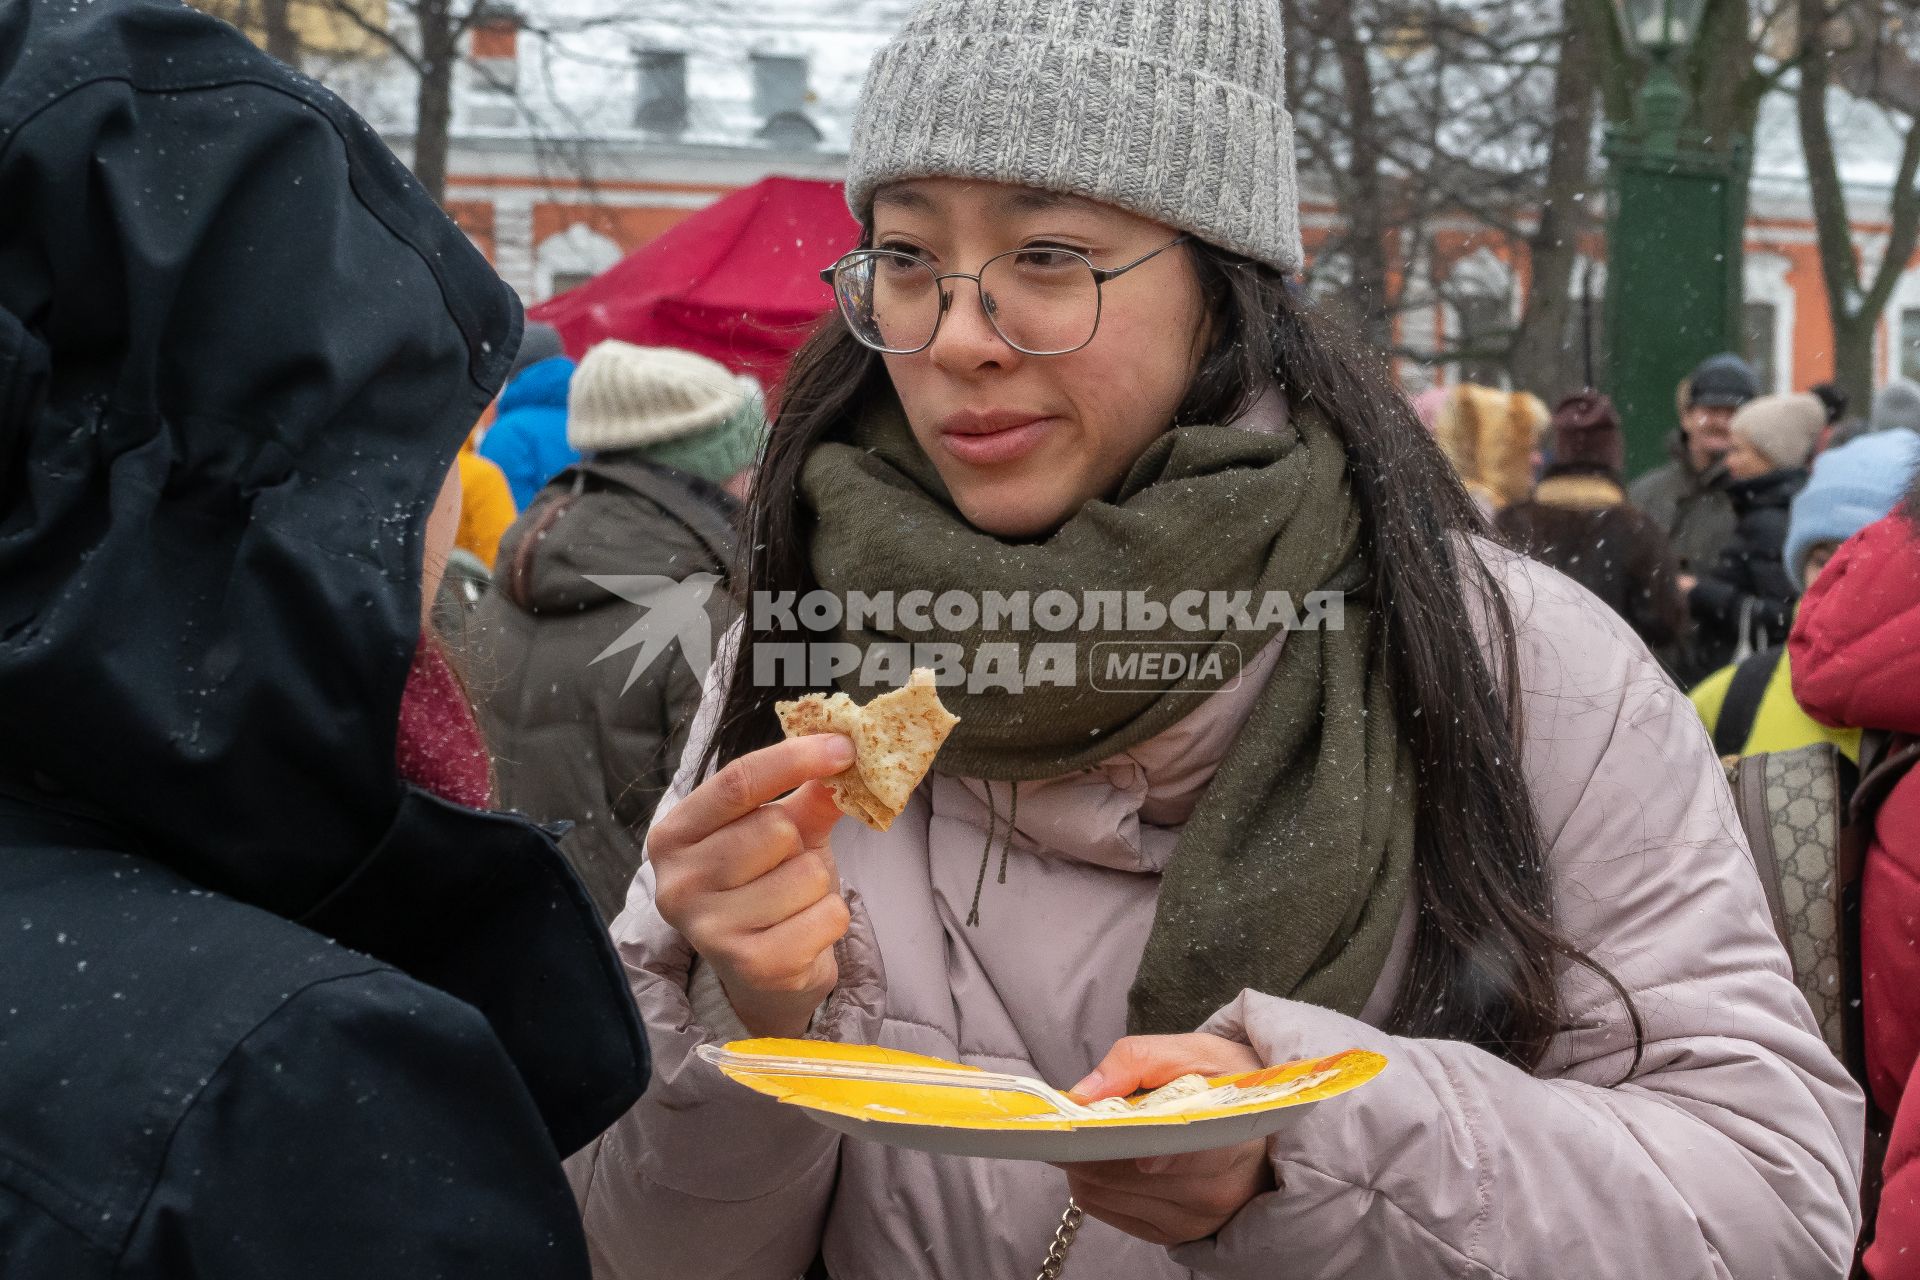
{"x":528,"y":440}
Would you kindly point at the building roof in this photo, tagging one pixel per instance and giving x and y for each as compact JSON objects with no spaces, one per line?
{"x":577,"y":77}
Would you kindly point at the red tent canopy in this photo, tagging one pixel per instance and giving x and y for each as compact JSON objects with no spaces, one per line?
{"x":738,"y":282}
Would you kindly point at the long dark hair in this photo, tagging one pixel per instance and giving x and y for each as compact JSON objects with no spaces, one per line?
{"x":1486,"y":944}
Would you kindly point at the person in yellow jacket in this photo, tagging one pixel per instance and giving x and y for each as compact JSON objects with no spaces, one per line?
{"x":1777,"y":723}
{"x":486,"y":508}
{"x":1749,"y":707}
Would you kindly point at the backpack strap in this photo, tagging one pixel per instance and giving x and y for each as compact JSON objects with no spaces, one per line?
{"x":1749,"y":778}
{"x":1741,"y":709}
{"x":518,"y":574}
{"x":1884,"y":760}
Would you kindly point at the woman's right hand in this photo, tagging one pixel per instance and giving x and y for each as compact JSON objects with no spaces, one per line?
{"x":744,"y":869}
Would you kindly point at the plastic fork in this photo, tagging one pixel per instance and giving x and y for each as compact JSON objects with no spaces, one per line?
{"x":880,"y":1073}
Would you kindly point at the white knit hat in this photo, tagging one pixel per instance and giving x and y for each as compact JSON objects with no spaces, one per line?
{"x":628,"y":397}
{"x":1174,"y":109}
{"x":1782,"y":428}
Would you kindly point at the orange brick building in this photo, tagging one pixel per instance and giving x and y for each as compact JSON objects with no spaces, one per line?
{"x":561,"y":178}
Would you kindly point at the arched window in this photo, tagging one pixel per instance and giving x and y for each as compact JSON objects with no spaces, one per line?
{"x":571,"y":258}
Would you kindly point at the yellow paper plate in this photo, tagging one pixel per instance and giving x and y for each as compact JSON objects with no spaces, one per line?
{"x":926,"y":1104}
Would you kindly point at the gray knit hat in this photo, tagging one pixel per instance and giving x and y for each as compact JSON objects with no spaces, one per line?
{"x":1896,"y":406}
{"x":1169,"y":108}
{"x":538,"y":342}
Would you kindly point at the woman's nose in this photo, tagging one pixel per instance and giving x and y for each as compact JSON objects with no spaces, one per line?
{"x":967,"y":339}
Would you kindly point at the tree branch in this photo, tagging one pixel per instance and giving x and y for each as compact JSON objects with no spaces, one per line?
{"x":1618,"y":71}
{"x":1832,"y":228}
{"x":1904,"y":233}
{"x":347,"y":10}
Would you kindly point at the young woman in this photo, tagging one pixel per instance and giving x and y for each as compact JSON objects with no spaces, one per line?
{"x":1474,"y":828}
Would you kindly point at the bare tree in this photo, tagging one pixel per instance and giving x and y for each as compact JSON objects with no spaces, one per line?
{"x":429,"y":39}
{"x":269,"y":22}
{"x":428,"y":43}
{"x":1725,"y":73}
{"x":1869,"y":46}
{"x":1417,"y":115}
{"x":1540,"y":360}
{"x":1338,"y":134}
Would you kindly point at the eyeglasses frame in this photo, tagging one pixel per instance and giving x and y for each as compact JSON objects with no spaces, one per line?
{"x":1102,"y":276}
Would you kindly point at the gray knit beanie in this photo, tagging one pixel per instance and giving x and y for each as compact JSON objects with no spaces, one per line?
{"x":1897,"y":406}
{"x":1172,"y":109}
{"x":538,"y":342}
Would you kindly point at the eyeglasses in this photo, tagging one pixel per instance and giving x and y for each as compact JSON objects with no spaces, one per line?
{"x":1042,"y":301}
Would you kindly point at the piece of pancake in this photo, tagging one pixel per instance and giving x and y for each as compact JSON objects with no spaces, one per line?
{"x":895,"y":738}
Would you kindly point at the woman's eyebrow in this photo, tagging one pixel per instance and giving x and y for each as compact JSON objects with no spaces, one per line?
{"x":1029,"y":200}
{"x":904,"y":198}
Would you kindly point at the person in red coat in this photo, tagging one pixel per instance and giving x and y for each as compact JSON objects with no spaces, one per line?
{"x":1856,"y":662}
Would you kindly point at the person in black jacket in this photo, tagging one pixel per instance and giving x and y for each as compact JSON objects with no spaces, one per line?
{"x":1580,"y":521}
{"x":611,"y":593}
{"x":1745,"y":601}
{"x":268,"y":1009}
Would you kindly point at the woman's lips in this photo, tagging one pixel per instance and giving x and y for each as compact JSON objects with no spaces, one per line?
{"x":994,"y":440}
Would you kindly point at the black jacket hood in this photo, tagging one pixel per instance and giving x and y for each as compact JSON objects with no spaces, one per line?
{"x":239,"y":347}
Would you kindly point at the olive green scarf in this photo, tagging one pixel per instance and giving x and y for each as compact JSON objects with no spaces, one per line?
{"x":1291,"y":874}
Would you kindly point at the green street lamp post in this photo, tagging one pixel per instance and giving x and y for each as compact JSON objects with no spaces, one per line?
{"x":1676,"y":215}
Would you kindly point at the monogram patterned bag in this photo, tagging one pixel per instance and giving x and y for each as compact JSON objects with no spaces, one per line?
{"x":1793,"y":806}
{"x":1809,"y":826}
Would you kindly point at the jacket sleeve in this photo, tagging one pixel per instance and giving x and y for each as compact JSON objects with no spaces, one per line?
{"x":638,"y":748}
{"x":702,"y":1177}
{"x":1730,"y":1150}
{"x":1709,"y":697}
{"x":1895,"y":1251}
{"x":639,"y":753}
{"x":486,"y":507}
{"x":510,"y":447}
{"x":1750,"y":574}
{"x":1658,"y":612}
{"x":1653,"y":493}
{"x":371,"y":1128}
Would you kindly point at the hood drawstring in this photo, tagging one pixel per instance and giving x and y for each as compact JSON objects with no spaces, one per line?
{"x":986,"y":853}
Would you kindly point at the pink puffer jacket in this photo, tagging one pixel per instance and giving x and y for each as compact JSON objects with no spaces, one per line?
{"x":1732,"y":1153}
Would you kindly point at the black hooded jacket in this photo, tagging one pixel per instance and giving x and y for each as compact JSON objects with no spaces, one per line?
{"x":265,"y":1010}
{"x":1748,"y":585}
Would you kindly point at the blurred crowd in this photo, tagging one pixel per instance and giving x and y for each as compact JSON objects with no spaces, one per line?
{"x":595,"y":489}
{"x":1708,"y":556}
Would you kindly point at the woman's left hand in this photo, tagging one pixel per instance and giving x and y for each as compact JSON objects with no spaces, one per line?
{"x":1169,"y":1200}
